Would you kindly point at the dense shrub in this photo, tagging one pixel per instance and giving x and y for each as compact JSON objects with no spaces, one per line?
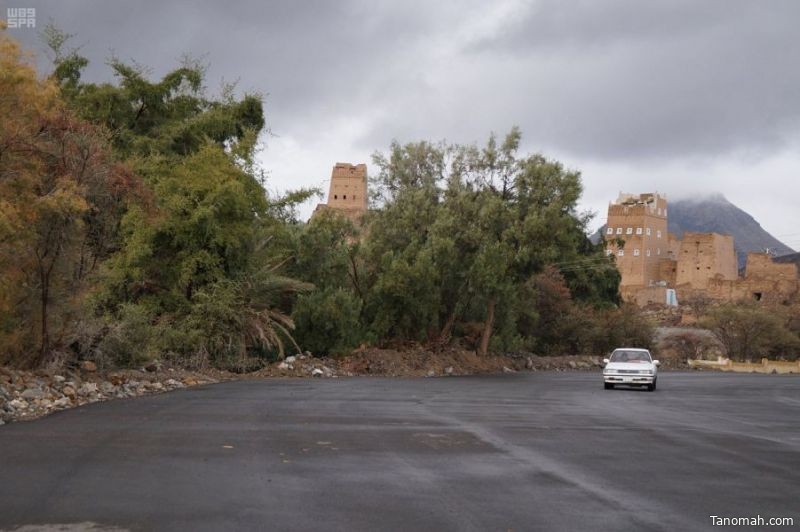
{"x":128,"y":340}
{"x":328,"y":321}
{"x":750,"y":331}
{"x":691,"y":345}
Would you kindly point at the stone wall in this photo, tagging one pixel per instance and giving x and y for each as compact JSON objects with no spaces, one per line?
{"x":764,"y":280}
{"x":765,"y":366}
{"x":646,"y":296}
{"x":761,"y":266}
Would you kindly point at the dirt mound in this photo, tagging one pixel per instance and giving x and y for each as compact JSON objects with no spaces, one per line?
{"x":420,"y":362}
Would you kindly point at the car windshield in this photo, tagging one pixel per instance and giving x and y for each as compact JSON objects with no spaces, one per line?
{"x":630,"y":356}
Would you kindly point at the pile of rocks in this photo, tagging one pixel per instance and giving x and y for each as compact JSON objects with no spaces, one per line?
{"x":302,"y":365}
{"x":28,"y":395}
{"x":563,"y":363}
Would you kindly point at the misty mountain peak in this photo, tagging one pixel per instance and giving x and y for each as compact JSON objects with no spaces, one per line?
{"x":713,"y":213}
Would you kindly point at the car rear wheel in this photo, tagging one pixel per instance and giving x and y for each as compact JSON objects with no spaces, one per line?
{"x":608,"y":386}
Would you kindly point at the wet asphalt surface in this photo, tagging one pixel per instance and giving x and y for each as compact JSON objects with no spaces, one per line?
{"x":534,"y":451}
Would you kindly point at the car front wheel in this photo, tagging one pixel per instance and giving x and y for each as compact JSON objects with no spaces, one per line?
{"x":652,"y":387}
{"x":608,"y":386}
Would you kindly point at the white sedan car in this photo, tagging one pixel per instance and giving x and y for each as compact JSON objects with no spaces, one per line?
{"x":632,"y":367}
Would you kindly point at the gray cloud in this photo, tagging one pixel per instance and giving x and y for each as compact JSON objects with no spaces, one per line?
{"x":620,"y":88}
{"x":634,"y":79}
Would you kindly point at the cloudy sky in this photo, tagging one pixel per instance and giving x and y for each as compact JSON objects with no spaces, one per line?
{"x":681,"y":96}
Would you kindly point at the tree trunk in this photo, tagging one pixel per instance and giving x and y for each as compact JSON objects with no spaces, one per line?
{"x":45,"y":347}
{"x":441,"y":338}
{"x":447,"y":330}
{"x":488,"y":325}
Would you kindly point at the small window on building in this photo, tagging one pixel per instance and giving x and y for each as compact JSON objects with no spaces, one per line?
{"x":658,"y":234}
{"x":619,"y":230}
{"x":621,"y":253}
{"x":335,"y":196}
{"x":648,"y":252}
{"x":648,"y":231}
{"x":659,"y":211}
{"x":658,"y":251}
{"x":344,"y":197}
{"x":609,"y":252}
{"x":638,"y":230}
{"x":629,"y":231}
{"x":354,"y":196}
{"x":610,"y":231}
{"x":665,"y":213}
{"x":757,"y":296}
{"x":635,"y":252}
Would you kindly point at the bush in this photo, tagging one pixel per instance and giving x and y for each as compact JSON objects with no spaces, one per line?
{"x":749,"y":331}
{"x":242,"y":320}
{"x":691,"y":345}
{"x":625,"y":326}
{"x":327,"y":321}
{"x":128,"y":341}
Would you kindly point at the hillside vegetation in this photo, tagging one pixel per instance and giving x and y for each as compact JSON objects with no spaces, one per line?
{"x":134,"y":225}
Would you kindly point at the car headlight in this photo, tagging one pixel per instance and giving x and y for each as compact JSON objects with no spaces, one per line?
{"x":646,"y":372}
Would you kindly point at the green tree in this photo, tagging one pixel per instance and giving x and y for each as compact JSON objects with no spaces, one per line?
{"x":328,"y":321}
{"x":206,"y":246}
{"x":747,"y":330}
{"x":458,"y":232}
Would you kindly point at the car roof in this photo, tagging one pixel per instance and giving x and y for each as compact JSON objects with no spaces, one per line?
{"x":631,"y":349}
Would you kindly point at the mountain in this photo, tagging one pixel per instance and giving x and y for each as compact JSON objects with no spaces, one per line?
{"x":715,"y":214}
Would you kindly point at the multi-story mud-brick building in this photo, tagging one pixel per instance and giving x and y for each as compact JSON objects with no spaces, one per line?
{"x":636,"y":233}
{"x":347,"y":193}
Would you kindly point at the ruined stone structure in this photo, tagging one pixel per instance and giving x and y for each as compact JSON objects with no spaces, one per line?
{"x":347,"y":194}
{"x":653,"y":262}
{"x":702,"y":257}
{"x":764,"y":280}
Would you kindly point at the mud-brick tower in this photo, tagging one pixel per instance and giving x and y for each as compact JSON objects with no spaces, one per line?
{"x":348,"y":190}
{"x":636,"y":232}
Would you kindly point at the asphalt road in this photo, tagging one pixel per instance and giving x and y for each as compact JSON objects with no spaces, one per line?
{"x":538,"y":451}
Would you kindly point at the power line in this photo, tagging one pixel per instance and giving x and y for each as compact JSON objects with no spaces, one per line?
{"x":578,"y":262}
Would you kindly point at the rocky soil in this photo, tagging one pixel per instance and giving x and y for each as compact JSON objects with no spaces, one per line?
{"x":420,"y":363}
{"x":28,"y":395}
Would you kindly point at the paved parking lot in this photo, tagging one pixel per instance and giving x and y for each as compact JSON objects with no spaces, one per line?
{"x":536,"y":451}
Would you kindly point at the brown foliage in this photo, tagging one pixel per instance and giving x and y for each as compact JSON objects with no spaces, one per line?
{"x":61,"y":198}
{"x":691,"y":345}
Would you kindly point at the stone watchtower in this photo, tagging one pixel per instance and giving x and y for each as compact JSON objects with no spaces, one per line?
{"x":636,"y":232}
{"x":347,"y":194}
{"x":348,"y":187}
